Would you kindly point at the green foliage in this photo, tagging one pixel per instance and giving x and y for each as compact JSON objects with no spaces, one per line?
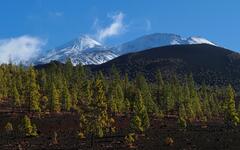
{"x":97,"y":97}
{"x":8,"y":127}
{"x":44,"y":103}
{"x":66,"y":98}
{"x":3,"y":83}
{"x":15,"y":97}
{"x":96,"y":115}
{"x":42,"y":81}
{"x":141,"y":111}
{"x":54,"y":99}
{"x":117,"y":99}
{"x":160,"y":86}
{"x":34,"y":130}
{"x":168,"y":99}
{"x":130,"y":138}
{"x":146,"y":94}
{"x":136,"y":124}
{"x":205,"y":102}
{"x":188,"y":103}
{"x":182,"y":122}
{"x":33,"y":95}
{"x":182,"y":116}
{"x":231,"y":116}
{"x":28,"y":128}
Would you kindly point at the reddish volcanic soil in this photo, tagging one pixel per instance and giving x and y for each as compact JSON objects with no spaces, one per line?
{"x":213,"y":136}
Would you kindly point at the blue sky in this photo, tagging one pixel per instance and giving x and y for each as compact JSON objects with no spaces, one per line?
{"x":55,"y":22}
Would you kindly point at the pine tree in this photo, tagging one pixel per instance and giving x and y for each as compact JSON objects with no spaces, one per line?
{"x":44,"y":103}
{"x":231,"y":117}
{"x":126,"y":86}
{"x":205,"y":102}
{"x":194,"y":98}
{"x":213,"y":104}
{"x":74,"y":97}
{"x":15,"y":97}
{"x":196,"y":106}
{"x":68,"y":69}
{"x":136,"y":124}
{"x":54,"y":99}
{"x":117,"y":99}
{"x":141,"y":110}
{"x":126,"y":94}
{"x":97,"y":116}
{"x":8,"y":127}
{"x":86,"y":109}
{"x":115,"y":77}
{"x":33,"y":95}
{"x":182,"y":116}
{"x":168,"y":103}
{"x":19,"y":83}
{"x":87,"y":92}
{"x":160,"y":87}
{"x":142,"y":84}
{"x":42,"y":81}
{"x":66,"y":99}
{"x":28,"y":128}
{"x":188,"y":103}
{"x":3,"y":84}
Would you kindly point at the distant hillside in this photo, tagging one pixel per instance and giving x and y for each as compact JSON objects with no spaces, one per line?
{"x":208,"y":63}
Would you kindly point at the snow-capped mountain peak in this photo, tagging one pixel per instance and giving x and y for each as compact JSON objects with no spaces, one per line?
{"x":83,"y":49}
{"x":158,"y":40}
{"x":81,"y":43}
{"x":86,"y":42}
{"x":86,"y":50}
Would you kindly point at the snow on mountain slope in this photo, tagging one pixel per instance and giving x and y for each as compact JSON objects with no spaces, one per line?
{"x":82,"y":50}
{"x":86,"y":50}
{"x":157,"y":40}
{"x":198,"y":40}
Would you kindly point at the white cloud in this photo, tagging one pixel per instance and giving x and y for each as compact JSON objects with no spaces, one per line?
{"x":20,"y":49}
{"x":59,"y":14}
{"x":56,"y":14}
{"x":148,"y":25}
{"x":115,"y":28}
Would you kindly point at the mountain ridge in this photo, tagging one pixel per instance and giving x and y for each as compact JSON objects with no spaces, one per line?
{"x":86,"y":50}
{"x":208,"y":63}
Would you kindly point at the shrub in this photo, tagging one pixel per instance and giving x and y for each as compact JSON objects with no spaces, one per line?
{"x":168,"y":141}
{"x":29,"y":129}
{"x":8,"y":127}
{"x":136,"y":124}
{"x":160,"y":115}
{"x":81,"y":135}
{"x":182,"y":122}
{"x":130,"y":139}
{"x":34,"y":130}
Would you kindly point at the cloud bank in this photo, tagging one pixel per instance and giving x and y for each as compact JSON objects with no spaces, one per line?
{"x":20,"y":49}
{"x":115,"y":28}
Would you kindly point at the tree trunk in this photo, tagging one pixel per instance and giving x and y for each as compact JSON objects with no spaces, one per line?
{"x":92,"y":141}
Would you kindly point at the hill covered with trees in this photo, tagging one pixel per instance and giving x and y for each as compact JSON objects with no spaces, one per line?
{"x":97,"y":102}
{"x":208,"y":64}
